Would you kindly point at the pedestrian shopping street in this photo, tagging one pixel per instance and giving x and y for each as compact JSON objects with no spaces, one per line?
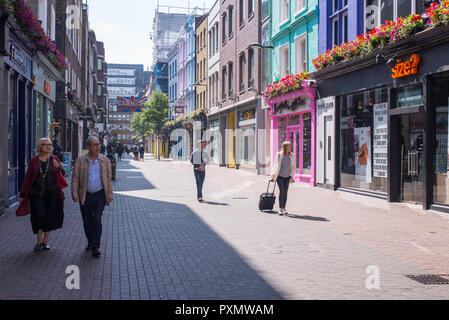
{"x":159,"y":243}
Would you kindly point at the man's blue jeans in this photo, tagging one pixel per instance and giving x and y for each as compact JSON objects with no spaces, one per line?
{"x":92,"y":210}
{"x":199,"y":178}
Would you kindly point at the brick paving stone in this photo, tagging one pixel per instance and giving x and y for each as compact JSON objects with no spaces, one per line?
{"x":159,"y":243}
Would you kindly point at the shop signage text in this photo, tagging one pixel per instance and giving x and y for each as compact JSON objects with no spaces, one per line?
{"x":403,"y":69}
{"x":18,"y":57}
{"x":298,"y":104}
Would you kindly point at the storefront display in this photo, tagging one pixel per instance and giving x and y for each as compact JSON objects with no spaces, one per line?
{"x":293,"y":119}
{"x":247,"y":138}
{"x":363,"y":129}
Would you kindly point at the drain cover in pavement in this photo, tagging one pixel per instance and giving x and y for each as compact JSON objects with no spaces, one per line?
{"x":430,"y":278}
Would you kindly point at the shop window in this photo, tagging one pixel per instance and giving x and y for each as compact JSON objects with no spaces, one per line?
{"x":363,"y":131}
{"x":411,"y":96}
{"x":293,"y":120}
{"x":440,"y":102}
{"x":306,"y":144}
{"x":282,"y":131}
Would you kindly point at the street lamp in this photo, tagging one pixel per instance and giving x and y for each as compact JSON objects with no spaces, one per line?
{"x":258,"y":45}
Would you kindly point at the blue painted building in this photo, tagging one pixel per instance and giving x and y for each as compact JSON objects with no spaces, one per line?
{"x":294,"y":35}
{"x":343,"y":20}
{"x":190,"y":92}
{"x":173,"y":79}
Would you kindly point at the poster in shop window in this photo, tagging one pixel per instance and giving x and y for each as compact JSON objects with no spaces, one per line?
{"x":362,"y":147}
{"x":380,"y":140}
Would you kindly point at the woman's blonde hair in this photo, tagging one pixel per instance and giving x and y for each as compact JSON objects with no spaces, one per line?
{"x":40,"y":143}
{"x":285,"y":145}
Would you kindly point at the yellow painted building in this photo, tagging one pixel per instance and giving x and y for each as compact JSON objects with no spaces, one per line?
{"x":201,"y":62}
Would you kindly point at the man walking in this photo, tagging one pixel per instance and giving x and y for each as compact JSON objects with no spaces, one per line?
{"x":92,"y":188}
{"x":199,"y":159}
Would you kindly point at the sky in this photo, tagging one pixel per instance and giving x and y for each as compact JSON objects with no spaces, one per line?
{"x":125,"y":26}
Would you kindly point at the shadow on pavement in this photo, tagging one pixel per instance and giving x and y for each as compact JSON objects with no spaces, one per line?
{"x":213,"y":203}
{"x":150,"y":250}
{"x":293,"y":216}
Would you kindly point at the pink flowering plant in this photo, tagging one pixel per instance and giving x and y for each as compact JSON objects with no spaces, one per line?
{"x":389,"y":32}
{"x":438,"y":14}
{"x":30,"y":25}
{"x":288,"y":84}
{"x":76,"y":100}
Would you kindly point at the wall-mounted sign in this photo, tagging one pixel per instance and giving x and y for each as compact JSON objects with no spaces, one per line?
{"x":18,"y":57}
{"x":47,"y":88}
{"x":291,"y":106}
{"x":130,"y":104}
{"x":179,"y":109}
{"x":406,"y":68}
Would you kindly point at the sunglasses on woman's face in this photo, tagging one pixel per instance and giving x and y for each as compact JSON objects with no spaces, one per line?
{"x":47,"y":144}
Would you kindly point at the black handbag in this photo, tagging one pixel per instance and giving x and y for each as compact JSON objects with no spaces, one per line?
{"x":267,"y":200}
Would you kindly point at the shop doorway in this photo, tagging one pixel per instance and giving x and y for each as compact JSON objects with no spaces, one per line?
{"x":294,"y":135}
{"x":412,"y":157}
{"x":328,"y":161}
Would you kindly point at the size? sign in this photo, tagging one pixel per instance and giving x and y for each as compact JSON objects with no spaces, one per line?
{"x":406,"y":68}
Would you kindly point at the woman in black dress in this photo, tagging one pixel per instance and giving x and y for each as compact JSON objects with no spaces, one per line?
{"x":44,"y":192}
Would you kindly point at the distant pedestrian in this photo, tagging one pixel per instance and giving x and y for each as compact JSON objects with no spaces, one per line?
{"x":136,"y":152}
{"x":42,"y":194}
{"x":283,"y":173}
{"x":120,"y":152}
{"x":58,"y":151}
{"x":142,"y":152}
{"x":199,"y":159}
{"x":92,"y":188}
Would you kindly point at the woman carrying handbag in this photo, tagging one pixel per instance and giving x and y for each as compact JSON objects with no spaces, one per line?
{"x":283,"y":172}
{"x":42,"y":194}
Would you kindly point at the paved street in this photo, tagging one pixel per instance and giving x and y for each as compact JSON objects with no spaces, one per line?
{"x":160,"y":243}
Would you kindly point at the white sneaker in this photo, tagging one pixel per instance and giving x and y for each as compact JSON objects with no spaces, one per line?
{"x":281,"y":212}
{"x":285,"y":211}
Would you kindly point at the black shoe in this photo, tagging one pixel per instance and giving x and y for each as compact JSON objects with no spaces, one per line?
{"x":95,"y":253}
{"x":37,"y":247}
{"x":45,"y":246}
{"x":89,"y":247}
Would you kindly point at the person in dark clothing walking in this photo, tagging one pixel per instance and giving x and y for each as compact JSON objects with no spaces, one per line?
{"x":42,"y":189}
{"x":199,"y":159}
{"x":120,"y":152}
{"x":283,"y":173}
{"x":142,"y":152}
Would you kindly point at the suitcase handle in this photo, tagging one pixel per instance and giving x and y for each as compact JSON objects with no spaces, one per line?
{"x":269,"y":181}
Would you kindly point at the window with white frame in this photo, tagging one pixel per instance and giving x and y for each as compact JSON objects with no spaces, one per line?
{"x":301,"y":53}
{"x":250,"y":7}
{"x":335,"y":5}
{"x":242,"y":11}
{"x":300,"y":5}
{"x":284,"y":10}
{"x":42,"y":13}
{"x":285,"y":60}
{"x":53,"y":23}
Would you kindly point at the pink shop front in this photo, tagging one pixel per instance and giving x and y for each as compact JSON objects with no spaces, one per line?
{"x":293,"y":119}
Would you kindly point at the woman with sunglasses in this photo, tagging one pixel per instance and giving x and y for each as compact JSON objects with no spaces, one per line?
{"x":42,"y":192}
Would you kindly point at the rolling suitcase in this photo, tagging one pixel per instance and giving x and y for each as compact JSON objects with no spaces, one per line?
{"x":267,"y":200}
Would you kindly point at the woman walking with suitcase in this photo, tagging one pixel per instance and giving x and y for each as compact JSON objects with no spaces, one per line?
{"x":283,"y":172}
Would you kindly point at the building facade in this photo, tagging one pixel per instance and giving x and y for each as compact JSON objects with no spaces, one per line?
{"x":294,"y":36}
{"x":240,"y":83}
{"x":213,"y":74}
{"x":173,"y":80}
{"x":201,"y":42}
{"x":123,"y":80}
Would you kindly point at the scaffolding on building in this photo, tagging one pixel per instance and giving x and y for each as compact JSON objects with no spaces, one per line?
{"x":167,"y":23}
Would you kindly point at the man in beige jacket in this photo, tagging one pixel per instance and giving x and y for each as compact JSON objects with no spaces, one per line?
{"x":92,"y":188}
